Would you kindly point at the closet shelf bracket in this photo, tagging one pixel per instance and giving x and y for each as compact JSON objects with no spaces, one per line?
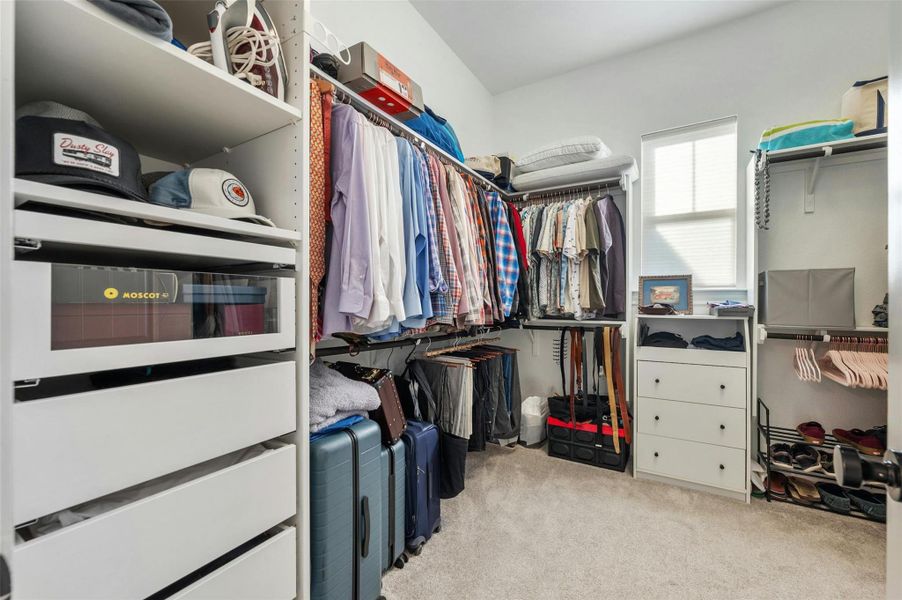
{"x":812,"y":178}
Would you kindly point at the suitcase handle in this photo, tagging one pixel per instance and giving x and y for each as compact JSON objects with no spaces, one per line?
{"x":365,"y":540}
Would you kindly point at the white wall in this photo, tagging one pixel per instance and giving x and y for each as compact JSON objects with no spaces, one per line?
{"x":397,"y":31}
{"x":784,"y":65}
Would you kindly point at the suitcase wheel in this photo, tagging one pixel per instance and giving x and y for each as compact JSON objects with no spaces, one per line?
{"x":400,"y":562}
{"x":405,"y":557}
{"x":438,"y":529}
{"x":418,"y":550}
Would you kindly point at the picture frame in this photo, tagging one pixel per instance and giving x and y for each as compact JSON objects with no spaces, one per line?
{"x":675,"y":290}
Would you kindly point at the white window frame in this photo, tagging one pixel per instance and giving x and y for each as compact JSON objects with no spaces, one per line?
{"x":741,"y":217}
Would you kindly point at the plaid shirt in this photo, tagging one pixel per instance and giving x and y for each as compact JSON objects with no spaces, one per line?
{"x":506,"y":265}
{"x":444,"y":302}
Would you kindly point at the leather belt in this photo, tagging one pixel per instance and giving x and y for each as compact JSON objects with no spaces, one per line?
{"x":612,"y":398}
{"x":621,"y":390}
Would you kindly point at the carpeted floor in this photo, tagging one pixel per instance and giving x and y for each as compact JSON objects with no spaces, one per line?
{"x":533,"y":527}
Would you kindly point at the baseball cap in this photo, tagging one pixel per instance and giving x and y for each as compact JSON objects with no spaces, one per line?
{"x":61,"y":145}
{"x":206,"y":191}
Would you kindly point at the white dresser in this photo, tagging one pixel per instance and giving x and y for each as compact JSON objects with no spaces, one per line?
{"x":692,"y":407}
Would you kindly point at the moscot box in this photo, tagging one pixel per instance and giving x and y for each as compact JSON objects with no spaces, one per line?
{"x":107,"y":306}
{"x":383,"y":84}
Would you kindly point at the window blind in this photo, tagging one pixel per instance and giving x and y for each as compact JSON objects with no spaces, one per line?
{"x":689,"y":203}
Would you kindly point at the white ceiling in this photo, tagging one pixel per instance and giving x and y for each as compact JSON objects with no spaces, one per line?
{"x":510,"y":43}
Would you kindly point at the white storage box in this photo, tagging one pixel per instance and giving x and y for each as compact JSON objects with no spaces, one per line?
{"x":534,"y":415}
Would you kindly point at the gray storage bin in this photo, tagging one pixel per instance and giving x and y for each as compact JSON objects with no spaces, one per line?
{"x":808,"y":297}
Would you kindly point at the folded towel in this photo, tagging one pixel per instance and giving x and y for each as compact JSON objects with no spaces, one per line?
{"x":332,"y":393}
{"x":146,"y":15}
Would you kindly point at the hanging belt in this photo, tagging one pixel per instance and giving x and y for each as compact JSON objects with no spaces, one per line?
{"x":621,"y":390}
{"x":612,"y":398}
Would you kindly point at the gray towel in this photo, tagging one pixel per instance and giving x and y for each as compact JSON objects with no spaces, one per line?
{"x":146,"y":15}
{"x":331,"y":394}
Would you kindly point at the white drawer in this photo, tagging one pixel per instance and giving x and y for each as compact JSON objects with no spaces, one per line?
{"x":31,"y":328}
{"x":71,"y":449}
{"x":722,"y":386}
{"x":266,"y":572}
{"x":692,"y":461}
{"x":140,"y":548}
{"x":693,"y":422}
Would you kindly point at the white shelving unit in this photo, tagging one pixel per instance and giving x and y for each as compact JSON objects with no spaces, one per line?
{"x":64,"y":439}
{"x":693,"y":407}
{"x":813,"y":225}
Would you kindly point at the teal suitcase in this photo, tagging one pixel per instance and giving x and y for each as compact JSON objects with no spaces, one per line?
{"x":346,"y":514}
{"x":394,"y":476}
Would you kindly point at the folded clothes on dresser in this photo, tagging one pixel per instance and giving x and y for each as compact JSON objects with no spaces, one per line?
{"x":732,"y":344}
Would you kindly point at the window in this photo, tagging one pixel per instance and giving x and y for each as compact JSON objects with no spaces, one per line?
{"x":689,"y":203}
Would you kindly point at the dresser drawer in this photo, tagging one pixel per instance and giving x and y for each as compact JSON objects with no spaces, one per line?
{"x":265,"y":572}
{"x":706,"y":464}
{"x":71,"y":449}
{"x":140,"y":548}
{"x":56,"y":338}
{"x":693,"y":422}
{"x":722,"y":386}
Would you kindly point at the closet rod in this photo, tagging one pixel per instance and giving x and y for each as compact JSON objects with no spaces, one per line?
{"x":358,"y":102}
{"x":824,"y":338}
{"x":411,"y":341}
{"x":563,"y":189}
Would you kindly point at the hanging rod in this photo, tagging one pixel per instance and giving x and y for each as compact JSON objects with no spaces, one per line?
{"x":398,"y":127}
{"x":565,"y":189}
{"x":826,"y":337}
{"x":354,"y":349}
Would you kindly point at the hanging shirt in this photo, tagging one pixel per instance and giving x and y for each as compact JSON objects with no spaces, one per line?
{"x":507,"y":267}
{"x":349,"y":284}
{"x":393,"y":225}
{"x":463,"y":303}
{"x":615,"y":286}
{"x":380,"y":314}
{"x":467,"y":244}
{"x":444,"y":300}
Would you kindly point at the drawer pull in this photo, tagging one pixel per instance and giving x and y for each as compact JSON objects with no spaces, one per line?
{"x":656,"y":455}
{"x":657,"y":418}
{"x":657,"y":380}
{"x":721,"y":467}
{"x":723,"y":387}
{"x":722,"y":427}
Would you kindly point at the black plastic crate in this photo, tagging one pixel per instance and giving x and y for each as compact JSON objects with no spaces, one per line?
{"x":581,"y":444}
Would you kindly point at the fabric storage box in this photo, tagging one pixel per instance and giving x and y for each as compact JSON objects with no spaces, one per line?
{"x":534,"y":414}
{"x":865,"y":103}
{"x":108,"y":306}
{"x":383,"y":84}
{"x":237,"y":309}
{"x":807,"y":297}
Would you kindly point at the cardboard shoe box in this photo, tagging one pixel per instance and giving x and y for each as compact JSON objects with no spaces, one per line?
{"x":383,"y":84}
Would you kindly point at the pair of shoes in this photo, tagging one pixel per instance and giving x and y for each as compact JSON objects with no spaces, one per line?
{"x":872,"y":441}
{"x":802,"y":491}
{"x":840,"y":500}
{"x":797,"y":456}
{"x":776,"y":483}
{"x":812,"y":432}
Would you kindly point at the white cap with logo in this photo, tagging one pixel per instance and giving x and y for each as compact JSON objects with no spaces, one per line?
{"x":207,"y":191}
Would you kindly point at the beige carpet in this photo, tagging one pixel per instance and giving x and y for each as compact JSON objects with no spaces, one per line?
{"x":533,"y":527}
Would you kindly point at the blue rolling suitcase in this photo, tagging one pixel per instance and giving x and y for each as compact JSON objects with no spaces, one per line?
{"x":394,"y":469}
{"x":424,"y":515}
{"x":346,"y":513}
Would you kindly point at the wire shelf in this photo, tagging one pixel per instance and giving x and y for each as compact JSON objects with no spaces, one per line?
{"x":770,"y":434}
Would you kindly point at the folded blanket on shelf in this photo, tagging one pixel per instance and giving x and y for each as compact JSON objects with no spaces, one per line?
{"x":334,"y":397}
{"x":146,"y":15}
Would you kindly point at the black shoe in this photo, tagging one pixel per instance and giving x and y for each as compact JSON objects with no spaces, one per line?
{"x":872,"y":506}
{"x":805,"y":458}
{"x":834,"y":497}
